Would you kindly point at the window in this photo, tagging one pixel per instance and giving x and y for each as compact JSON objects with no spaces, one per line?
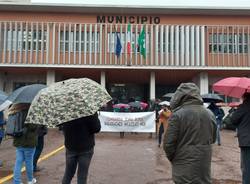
{"x":228,"y":43}
{"x":26,"y":40}
{"x":70,"y":41}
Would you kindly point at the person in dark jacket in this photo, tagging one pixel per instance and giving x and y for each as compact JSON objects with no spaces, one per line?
{"x":25,"y":146}
{"x":2,"y":123}
{"x":191,"y":131}
{"x":219,"y":114}
{"x":241,"y":119}
{"x":79,"y":140}
{"x":41,"y":132}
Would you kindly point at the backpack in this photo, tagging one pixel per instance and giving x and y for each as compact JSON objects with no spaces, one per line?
{"x":15,"y":124}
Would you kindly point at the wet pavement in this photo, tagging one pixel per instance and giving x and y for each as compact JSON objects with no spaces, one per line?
{"x":135,"y":159}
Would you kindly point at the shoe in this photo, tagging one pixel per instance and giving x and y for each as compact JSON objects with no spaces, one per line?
{"x":32,"y":182}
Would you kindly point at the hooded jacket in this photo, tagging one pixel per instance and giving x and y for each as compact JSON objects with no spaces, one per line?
{"x":191,"y":131}
{"x":29,"y":138}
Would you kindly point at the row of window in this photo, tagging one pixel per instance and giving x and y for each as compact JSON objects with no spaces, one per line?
{"x":90,"y":42}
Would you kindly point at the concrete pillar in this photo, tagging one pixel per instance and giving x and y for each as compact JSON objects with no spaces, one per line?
{"x":103,"y":79}
{"x":51,"y":77}
{"x":203,"y":83}
{"x":2,"y":80}
{"x":152,"y":86}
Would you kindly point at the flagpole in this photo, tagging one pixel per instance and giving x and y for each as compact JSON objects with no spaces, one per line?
{"x":118,"y":47}
{"x":116,"y":58}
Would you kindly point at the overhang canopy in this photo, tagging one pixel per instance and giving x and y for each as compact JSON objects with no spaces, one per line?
{"x":128,"y":9}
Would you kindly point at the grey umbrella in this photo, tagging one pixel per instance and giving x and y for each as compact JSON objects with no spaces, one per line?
{"x":24,"y":94}
{"x":211,"y":97}
{"x":3,"y":96}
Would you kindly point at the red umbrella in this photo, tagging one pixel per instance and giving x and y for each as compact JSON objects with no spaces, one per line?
{"x":121,"y":106}
{"x":234,"y":104}
{"x":232,"y":86}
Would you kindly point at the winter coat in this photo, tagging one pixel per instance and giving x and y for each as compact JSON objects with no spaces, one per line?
{"x":191,"y":131}
{"x":241,"y":119}
{"x":79,"y":134}
{"x":2,"y":122}
{"x":218,"y":112}
{"x":29,"y":138}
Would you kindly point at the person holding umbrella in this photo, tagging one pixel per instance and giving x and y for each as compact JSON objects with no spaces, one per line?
{"x":79,"y":141}
{"x":25,"y":145}
{"x":72,"y":105}
{"x":2,"y":123}
{"x":219,"y":114}
{"x":241,"y":119}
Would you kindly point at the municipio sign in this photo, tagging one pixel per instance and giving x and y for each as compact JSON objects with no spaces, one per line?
{"x":128,"y":19}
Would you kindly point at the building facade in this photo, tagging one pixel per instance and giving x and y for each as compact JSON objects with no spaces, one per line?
{"x":49,"y":43}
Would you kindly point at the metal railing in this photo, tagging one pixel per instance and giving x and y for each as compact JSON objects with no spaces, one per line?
{"x":57,"y":43}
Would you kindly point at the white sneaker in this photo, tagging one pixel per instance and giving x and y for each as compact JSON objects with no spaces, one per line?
{"x":32,"y":182}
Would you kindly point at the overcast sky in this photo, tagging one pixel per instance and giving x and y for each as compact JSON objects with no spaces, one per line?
{"x":179,"y":3}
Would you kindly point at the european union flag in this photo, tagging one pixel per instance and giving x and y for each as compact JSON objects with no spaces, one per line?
{"x":118,"y":47}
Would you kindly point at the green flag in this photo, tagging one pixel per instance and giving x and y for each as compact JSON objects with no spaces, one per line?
{"x":142,"y":42}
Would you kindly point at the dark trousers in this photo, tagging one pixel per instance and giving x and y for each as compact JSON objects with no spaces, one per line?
{"x":39,"y":149}
{"x":74,"y":159}
{"x":245,"y":164}
{"x":161,"y":131}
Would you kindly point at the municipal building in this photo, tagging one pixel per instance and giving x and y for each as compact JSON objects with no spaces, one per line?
{"x":46,"y":43}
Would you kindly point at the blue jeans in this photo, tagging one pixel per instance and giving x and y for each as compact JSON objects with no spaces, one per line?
{"x":82,"y":159}
{"x":23,"y":155}
{"x":245,"y":164}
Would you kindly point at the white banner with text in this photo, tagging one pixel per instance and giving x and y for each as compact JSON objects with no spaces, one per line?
{"x":127,"y":122}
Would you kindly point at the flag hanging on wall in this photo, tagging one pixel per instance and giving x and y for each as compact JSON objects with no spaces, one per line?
{"x":129,"y":40}
{"x":142,"y":42}
{"x":118,"y":47}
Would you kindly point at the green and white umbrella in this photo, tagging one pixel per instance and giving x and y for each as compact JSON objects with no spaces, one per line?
{"x":67,"y":100}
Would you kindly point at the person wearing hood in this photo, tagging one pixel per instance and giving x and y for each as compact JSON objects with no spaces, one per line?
{"x":25,"y":146}
{"x":241,"y":119}
{"x":190,"y":133}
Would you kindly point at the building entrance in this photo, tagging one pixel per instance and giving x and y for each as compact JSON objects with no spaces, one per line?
{"x":124,"y":93}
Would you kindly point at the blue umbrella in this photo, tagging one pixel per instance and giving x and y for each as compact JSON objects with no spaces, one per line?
{"x":23,"y":94}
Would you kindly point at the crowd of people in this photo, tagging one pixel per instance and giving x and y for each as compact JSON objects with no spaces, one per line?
{"x":188,"y":130}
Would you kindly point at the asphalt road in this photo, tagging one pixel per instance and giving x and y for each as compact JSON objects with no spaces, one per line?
{"x":135,"y":159}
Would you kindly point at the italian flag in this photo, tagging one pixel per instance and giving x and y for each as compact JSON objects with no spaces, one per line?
{"x":129,"y":40}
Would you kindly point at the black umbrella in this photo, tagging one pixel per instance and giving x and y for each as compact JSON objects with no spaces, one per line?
{"x":168,"y":96}
{"x":211,"y":97}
